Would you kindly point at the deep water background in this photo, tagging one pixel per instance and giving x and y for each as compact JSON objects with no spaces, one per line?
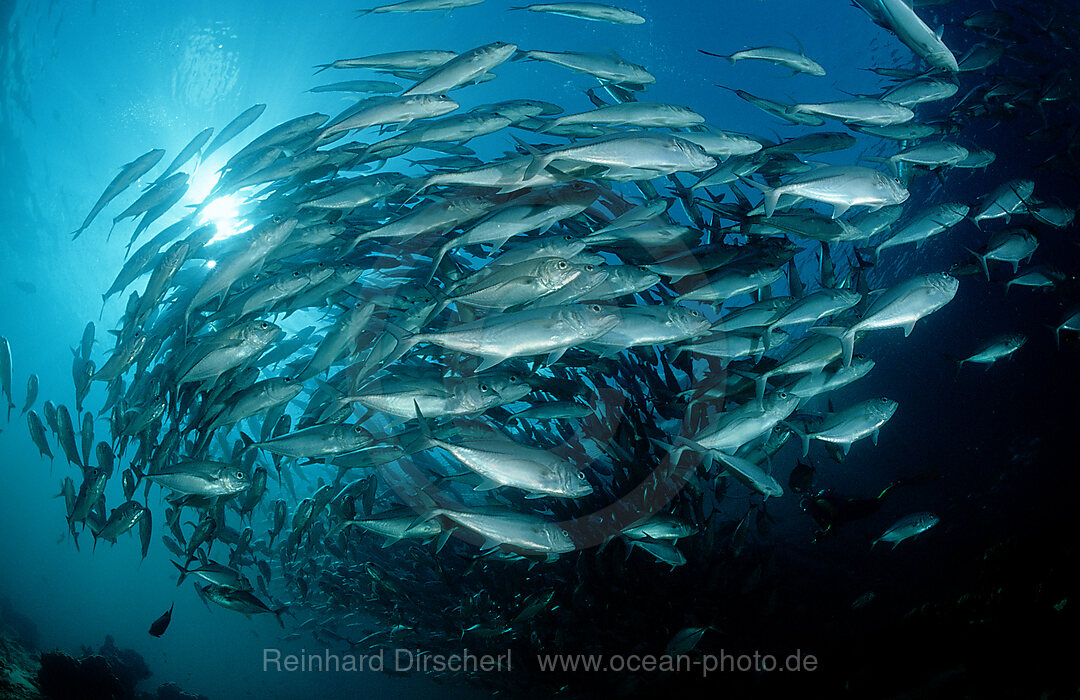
{"x":87,"y":87}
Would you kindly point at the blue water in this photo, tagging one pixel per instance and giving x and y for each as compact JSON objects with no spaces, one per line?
{"x":87,"y":87}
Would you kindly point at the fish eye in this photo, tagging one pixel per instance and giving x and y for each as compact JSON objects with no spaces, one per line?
{"x":590,"y":268}
{"x":264,"y":325}
{"x":643,"y":268}
{"x":485,"y":387}
{"x":562,"y":264}
{"x":568,"y":238}
{"x":239,"y":475}
{"x":595,"y":308}
{"x":296,"y":273}
{"x":695,"y":313}
{"x":782,"y":395}
{"x":581,"y":475}
{"x":277,"y":218}
{"x":565,"y":533}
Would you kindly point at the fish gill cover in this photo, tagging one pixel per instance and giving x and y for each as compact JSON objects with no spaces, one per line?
{"x":529,"y":338}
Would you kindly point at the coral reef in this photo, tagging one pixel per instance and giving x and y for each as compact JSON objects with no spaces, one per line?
{"x":110,"y":673}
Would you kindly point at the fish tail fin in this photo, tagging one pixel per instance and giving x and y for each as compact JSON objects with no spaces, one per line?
{"x":548,"y":126}
{"x":982,"y":261}
{"x":760,"y":383}
{"x":767,"y":337}
{"x":539,"y":160}
{"x":846,"y":336}
{"x":1057,"y":335}
{"x":77,"y":232}
{"x":729,"y":57}
{"x":405,"y":342}
{"x":437,"y":260}
{"x":771,"y":195}
{"x":322,"y":66}
{"x":803,"y":436}
{"x":183,"y":572}
{"x":429,"y":508}
{"x":425,"y":428}
{"x":247,"y":440}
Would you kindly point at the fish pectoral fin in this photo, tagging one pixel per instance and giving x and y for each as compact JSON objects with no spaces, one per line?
{"x":551,"y":359}
{"x":909,"y":327}
{"x":488,"y":363}
{"x":874,"y":436}
{"x":487,"y":485}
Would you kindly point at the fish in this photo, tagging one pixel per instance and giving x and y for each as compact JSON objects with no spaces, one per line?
{"x":158,"y":626}
{"x":318,"y":441}
{"x":37,"y":434}
{"x":66,"y":436}
{"x":196,"y":478}
{"x":123,"y":518}
{"x":853,"y":423}
{"x":373,"y":86}
{"x":930,"y":222}
{"x":610,"y":68}
{"x":907,"y":527}
{"x":842,"y":186}
{"x":463,"y":68}
{"x":234,"y":128}
{"x":5,"y":373}
{"x":191,"y":150}
{"x":521,"y":533}
{"x":639,"y":114}
{"x":900,"y":306}
{"x":129,"y":174}
{"x":498,"y":337}
{"x":906,"y":24}
{"x":420,"y":6}
{"x":31,"y":392}
{"x":786,"y":58}
{"x":999,"y":348}
{"x":476,"y":361}
{"x":860,"y":112}
{"x":241,"y":601}
{"x":1008,"y":245}
{"x":503,"y":462}
{"x":590,"y":11}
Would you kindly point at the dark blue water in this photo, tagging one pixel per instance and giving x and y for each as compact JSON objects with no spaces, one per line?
{"x":88,"y":87}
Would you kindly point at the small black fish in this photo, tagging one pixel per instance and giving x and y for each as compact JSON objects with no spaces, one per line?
{"x":162,"y":623}
{"x":802,"y":478}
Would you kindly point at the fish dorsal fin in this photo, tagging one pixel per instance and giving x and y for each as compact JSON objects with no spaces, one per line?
{"x":802,"y":51}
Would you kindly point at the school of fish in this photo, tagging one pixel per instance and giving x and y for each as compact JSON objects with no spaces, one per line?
{"x":418,"y":367}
